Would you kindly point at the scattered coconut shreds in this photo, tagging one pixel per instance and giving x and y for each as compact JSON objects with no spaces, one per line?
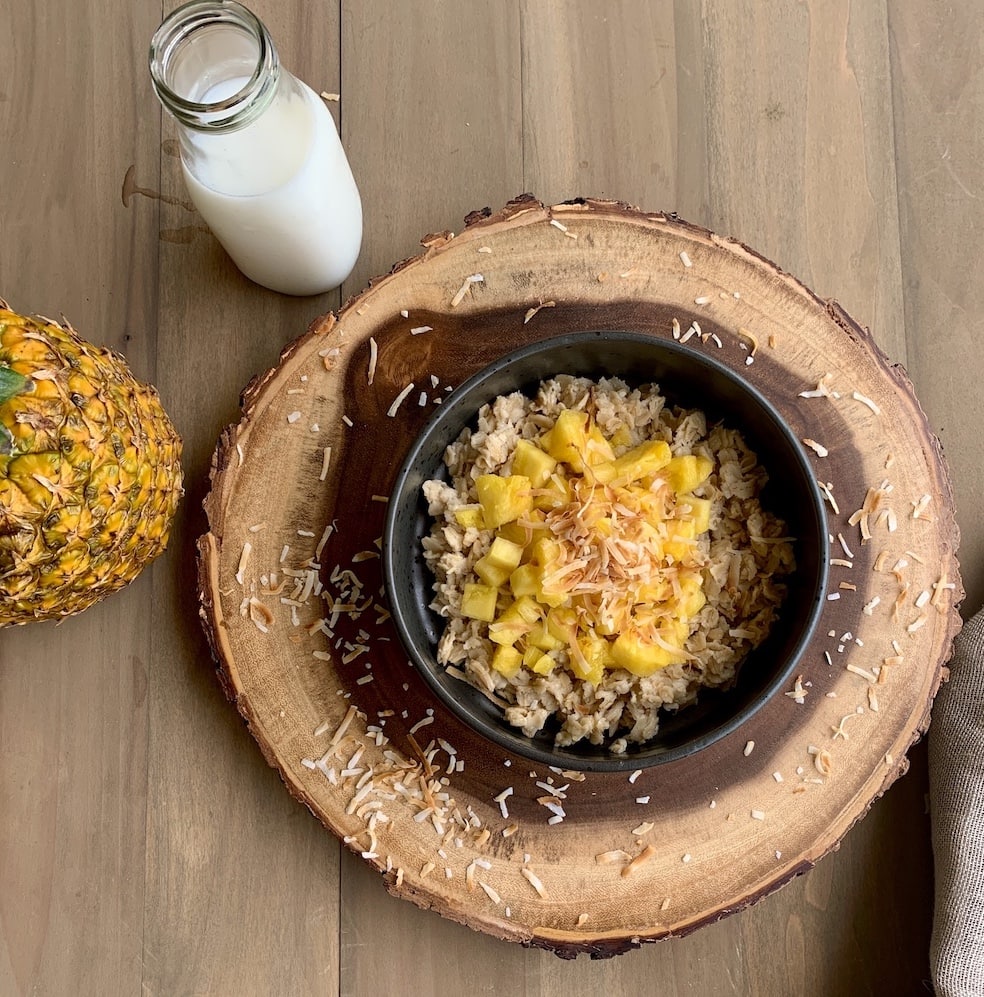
{"x":641,"y":859}
{"x":485,"y":249}
{"x":839,"y":731}
{"x":292,"y":417}
{"x":612,"y":857}
{"x":917,"y":624}
{"x":685,"y":259}
{"x":260,"y":615}
{"x":404,"y":313}
{"x":582,"y":919}
{"x":872,"y":699}
{"x":373,"y":357}
{"x":530,"y":312}
{"x":242,"y":456}
{"x":825,"y":489}
{"x":758,"y":815}
{"x":243,"y":558}
{"x":419,"y":330}
{"x":702,"y":299}
{"x":919,"y":506}
{"x":399,"y":400}
{"x":753,"y":344}
{"x":869,"y":607}
{"x":333,"y":97}
{"x":865,"y":400}
{"x":686,"y":858}
{"x":822,"y":760}
{"x":777,"y":776}
{"x":475,"y":278}
{"x":644,"y":828}
{"x":841,"y":562}
{"x":863,"y":672}
{"x":799,"y":692}
{"x":534,"y":880}
{"x":490,"y":893}
{"x":822,"y":390}
{"x":348,"y":422}
{"x":749,"y":748}
{"x":675,"y":327}
{"x":423,"y":722}
{"x":818,"y":448}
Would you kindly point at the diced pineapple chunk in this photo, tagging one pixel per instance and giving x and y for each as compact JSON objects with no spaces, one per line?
{"x":589,"y":655}
{"x":502,"y":558}
{"x":567,"y":440}
{"x":515,"y":621}
{"x":641,"y":657}
{"x":685,"y":473}
{"x":555,"y":493}
{"x":545,"y":665}
{"x":692,"y":596}
{"x":597,"y":449}
{"x":541,"y":637}
{"x":700,"y":512}
{"x":533,"y":463}
{"x":524,"y":580}
{"x":646,"y":458}
{"x":503,"y":499}
{"x":469,"y":516}
{"x":478,"y":601}
{"x":506,"y":660}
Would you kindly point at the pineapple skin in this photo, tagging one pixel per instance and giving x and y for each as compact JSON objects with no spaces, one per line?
{"x":90,"y":472}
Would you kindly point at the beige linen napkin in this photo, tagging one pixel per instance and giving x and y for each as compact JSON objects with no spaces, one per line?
{"x":956,"y":785}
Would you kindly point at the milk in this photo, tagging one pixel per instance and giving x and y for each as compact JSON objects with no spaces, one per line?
{"x":278,"y":193}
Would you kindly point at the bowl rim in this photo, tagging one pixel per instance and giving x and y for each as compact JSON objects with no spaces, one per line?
{"x":511,"y":738}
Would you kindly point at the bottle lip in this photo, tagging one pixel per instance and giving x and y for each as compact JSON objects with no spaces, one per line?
{"x":235,"y":110}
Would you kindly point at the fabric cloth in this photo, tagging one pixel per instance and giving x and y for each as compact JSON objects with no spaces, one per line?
{"x":956,"y":786}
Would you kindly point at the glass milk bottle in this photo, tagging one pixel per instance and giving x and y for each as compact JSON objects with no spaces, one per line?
{"x":260,"y":153}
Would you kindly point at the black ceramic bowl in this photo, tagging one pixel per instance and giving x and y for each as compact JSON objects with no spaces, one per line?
{"x":686,"y":377}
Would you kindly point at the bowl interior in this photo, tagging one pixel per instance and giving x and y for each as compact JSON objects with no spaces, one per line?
{"x":687,"y":378}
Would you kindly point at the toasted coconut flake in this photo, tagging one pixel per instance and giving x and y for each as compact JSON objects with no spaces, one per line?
{"x":675,"y":328}
{"x":534,"y":880}
{"x":665,"y":905}
{"x":757,"y":815}
{"x":917,"y":624}
{"x":799,"y":692}
{"x":333,"y":97}
{"x":490,"y":893}
{"x":749,"y":748}
{"x":826,"y":490}
{"x":818,"y":448}
{"x":869,"y":607}
{"x":419,"y":330}
{"x":641,"y":859}
{"x":475,"y":278}
{"x":865,"y":400}
{"x":243,"y":558}
{"x":611,"y":858}
{"x":685,"y":259}
{"x":703,"y":299}
{"x":532,"y":311}
{"x":863,"y":672}
{"x":292,"y":417}
{"x":373,"y":357}
{"x":399,"y":400}
{"x":753,"y":343}
{"x":644,"y":828}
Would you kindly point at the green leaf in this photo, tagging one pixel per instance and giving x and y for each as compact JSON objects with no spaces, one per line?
{"x":11,"y":383}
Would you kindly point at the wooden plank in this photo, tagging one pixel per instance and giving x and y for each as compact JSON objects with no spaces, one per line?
{"x":73,"y":707}
{"x":431,"y":119}
{"x":242,"y":891}
{"x":937,"y":95}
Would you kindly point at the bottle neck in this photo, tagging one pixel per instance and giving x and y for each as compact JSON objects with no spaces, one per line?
{"x":214,"y":66}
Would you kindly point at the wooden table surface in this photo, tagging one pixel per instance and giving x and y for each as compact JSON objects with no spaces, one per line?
{"x":145,"y":846}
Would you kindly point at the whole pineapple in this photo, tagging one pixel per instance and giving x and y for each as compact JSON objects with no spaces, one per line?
{"x":90,"y":472}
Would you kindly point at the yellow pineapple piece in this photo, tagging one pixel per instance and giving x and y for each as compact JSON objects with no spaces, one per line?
{"x":589,"y":655}
{"x":568,"y":439}
{"x":645,"y":459}
{"x":525,"y":580}
{"x":692,"y":598}
{"x":502,"y":558}
{"x":622,"y":437}
{"x":700,"y":512}
{"x":685,"y":473}
{"x":641,"y":657}
{"x":503,"y":499}
{"x":478,"y":601}
{"x":507,"y":660}
{"x":544,"y":665}
{"x":533,"y":462}
{"x":515,"y":621}
{"x":597,"y":449}
{"x":541,"y":637}
{"x":469,"y":516}
{"x":555,"y":493}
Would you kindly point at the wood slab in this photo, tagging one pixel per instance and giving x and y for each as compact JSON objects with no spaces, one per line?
{"x":295,"y":519}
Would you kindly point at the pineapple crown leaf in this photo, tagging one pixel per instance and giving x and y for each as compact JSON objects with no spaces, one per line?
{"x":11,"y":383}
